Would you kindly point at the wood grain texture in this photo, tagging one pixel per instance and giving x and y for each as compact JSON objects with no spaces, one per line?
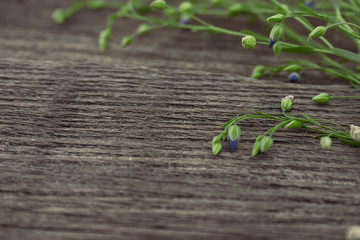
{"x":118,"y":145}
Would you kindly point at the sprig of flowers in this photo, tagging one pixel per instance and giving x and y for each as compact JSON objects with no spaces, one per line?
{"x":327,"y":130}
{"x":336,"y":14}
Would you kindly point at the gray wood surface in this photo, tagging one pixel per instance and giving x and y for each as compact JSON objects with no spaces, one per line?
{"x":117,"y":145}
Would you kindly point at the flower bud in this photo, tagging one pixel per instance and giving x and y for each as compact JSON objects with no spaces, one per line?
{"x":276,"y":33}
{"x":216,"y":139}
{"x":256,"y":148}
{"x":317,"y":32}
{"x":233,"y":136}
{"x":355,"y":133}
{"x":103,"y":39}
{"x":292,"y":68}
{"x":186,"y":7}
{"x":275,"y":18}
{"x":294,"y":77}
{"x":126,"y":41}
{"x":258,"y":71}
{"x":286,"y":103}
{"x":95,"y":4}
{"x":265,"y":143}
{"x":185,"y":19}
{"x":59,"y":16}
{"x":248,"y":42}
{"x":235,"y":9}
{"x":322,"y":98}
{"x":216,"y":148}
{"x":294,"y":124}
{"x":325,"y":142}
{"x":159,"y":4}
{"x":143,"y":29}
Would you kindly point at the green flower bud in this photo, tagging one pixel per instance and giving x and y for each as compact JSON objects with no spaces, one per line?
{"x":216,"y":148}
{"x":276,"y":18}
{"x":256,"y":148}
{"x":286,"y":103}
{"x":158,"y":4}
{"x":325,"y":142}
{"x":294,"y":124}
{"x":186,"y":7}
{"x":322,"y":98}
{"x":126,"y":41}
{"x":103,"y":39}
{"x":59,"y":16}
{"x":235,"y":9}
{"x":170,"y":12}
{"x":96,"y":4}
{"x":217,"y":2}
{"x":143,"y":29}
{"x":216,"y":139}
{"x":317,"y":32}
{"x":248,"y":42}
{"x":292,"y":68}
{"x":258,"y":71}
{"x":355,"y":133}
{"x":265,"y":143}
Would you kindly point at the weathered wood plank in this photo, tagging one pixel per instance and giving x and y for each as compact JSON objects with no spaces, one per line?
{"x":120,"y":151}
{"x":116,"y":145}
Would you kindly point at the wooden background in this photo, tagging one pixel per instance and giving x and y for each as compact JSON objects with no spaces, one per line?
{"x":117,"y":145}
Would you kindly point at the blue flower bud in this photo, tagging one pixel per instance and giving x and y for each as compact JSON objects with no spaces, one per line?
{"x":309,"y":4}
{"x":294,"y":77}
{"x":185,"y":19}
{"x":265,"y":143}
{"x":276,"y":33}
{"x":233,"y":136}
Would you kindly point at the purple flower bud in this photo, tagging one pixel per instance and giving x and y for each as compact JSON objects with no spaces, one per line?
{"x":272,"y":42}
{"x":184,"y":20}
{"x":233,"y":136}
{"x":294,"y":77}
{"x":309,"y":4}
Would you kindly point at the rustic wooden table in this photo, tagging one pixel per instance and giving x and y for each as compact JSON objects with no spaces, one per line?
{"x":117,"y":145}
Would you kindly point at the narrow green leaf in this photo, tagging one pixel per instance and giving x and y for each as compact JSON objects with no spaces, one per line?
{"x":346,"y":54}
{"x":301,"y":49}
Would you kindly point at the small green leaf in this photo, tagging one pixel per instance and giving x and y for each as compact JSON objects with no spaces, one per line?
{"x":346,"y":54}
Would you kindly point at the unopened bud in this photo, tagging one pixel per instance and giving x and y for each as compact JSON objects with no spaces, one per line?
{"x":143,"y":29}
{"x":317,"y":32}
{"x":275,"y":18}
{"x":276,"y":33}
{"x":256,"y":147}
{"x":103,"y":39}
{"x":294,"y":124}
{"x":233,"y":136}
{"x":355,"y":133}
{"x":159,"y":4}
{"x":322,"y":98}
{"x":265,"y":143}
{"x":59,"y":16}
{"x":126,"y":41}
{"x":294,"y":77}
{"x":248,"y":42}
{"x":216,"y":148}
{"x":286,"y":103}
{"x":258,"y":71}
{"x":186,"y":7}
{"x":325,"y":142}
